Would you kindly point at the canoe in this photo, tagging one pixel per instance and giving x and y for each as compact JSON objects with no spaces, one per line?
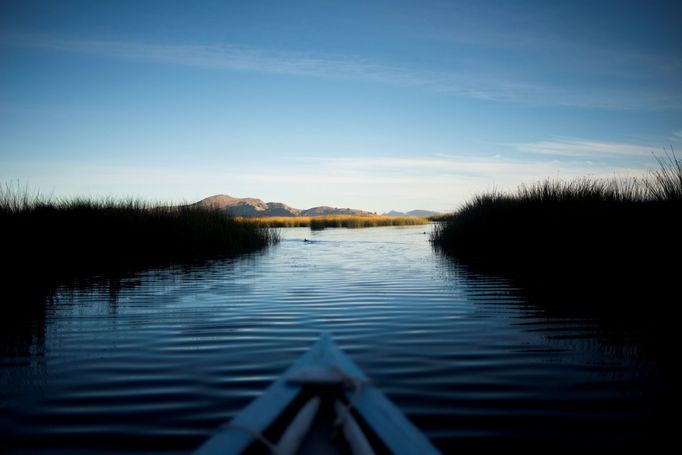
{"x":323,"y":403}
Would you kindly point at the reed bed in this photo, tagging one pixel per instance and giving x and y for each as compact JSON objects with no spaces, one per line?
{"x":49,"y":240}
{"x":440,"y":217}
{"x":336,"y":221}
{"x":584,"y":240}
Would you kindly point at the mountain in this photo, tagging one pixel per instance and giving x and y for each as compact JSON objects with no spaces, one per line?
{"x":324,"y":210}
{"x":421,"y":213}
{"x":252,"y":207}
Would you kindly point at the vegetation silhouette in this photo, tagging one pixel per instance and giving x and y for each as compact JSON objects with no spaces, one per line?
{"x":47,"y":241}
{"x":610,"y":245}
{"x":605,"y":249}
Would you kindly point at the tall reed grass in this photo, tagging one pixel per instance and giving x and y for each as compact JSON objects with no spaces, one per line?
{"x":336,"y":221}
{"x":618,"y":239}
{"x":48,"y":239}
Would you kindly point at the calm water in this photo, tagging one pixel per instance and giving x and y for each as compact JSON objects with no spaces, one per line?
{"x":155,"y":362}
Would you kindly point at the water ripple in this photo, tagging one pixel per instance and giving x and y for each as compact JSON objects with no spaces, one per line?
{"x":157,"y":361}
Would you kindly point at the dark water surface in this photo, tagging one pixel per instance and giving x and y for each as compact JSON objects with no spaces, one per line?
{"x":155,"y":362}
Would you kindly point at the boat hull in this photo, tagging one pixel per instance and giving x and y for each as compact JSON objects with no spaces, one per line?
{"x":384,"y":419}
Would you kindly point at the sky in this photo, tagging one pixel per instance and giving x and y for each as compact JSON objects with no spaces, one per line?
{"x":374,"y":105}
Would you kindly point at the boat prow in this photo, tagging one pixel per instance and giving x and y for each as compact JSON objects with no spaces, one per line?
{"x":324,"y":384}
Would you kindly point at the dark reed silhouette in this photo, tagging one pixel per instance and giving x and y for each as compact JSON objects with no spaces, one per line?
{"x":607,"y":249}
{"x":616,"y":241}
{"x":47,"y":241}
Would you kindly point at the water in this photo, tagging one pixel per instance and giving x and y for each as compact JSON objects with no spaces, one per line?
{"x":157,"y":361}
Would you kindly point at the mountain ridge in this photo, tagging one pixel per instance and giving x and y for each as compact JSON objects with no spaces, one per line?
{"x":417,"y":212}
{"x":253,"y":207}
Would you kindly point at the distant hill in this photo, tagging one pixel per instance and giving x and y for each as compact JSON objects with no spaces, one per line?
{"x":252,"y":207}
{"x":422,"y":213}
{"x":324,"y":210}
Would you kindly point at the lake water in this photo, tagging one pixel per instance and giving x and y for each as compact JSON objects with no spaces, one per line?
{"x":157,"y":361}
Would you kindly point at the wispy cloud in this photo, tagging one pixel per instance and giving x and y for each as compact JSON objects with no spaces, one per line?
{"x":483,"y":83}
{"x":587,"y":148}
{"x":243,"y":58}
{"x":376,"y":184}
{"x":494,"y":170}
{"x":436,"y":183}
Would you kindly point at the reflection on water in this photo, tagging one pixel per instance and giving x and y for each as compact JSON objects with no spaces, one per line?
{"x":156,"y":361}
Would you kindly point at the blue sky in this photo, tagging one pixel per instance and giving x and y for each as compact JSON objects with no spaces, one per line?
{"x":372,"y":105}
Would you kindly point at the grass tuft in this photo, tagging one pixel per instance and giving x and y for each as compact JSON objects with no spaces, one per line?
{"x":665,"y":183}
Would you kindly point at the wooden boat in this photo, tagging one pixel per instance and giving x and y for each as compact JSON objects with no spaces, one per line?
{"x":323,"y":403}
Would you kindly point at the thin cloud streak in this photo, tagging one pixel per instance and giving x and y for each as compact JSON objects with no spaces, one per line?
{"x":469,"y":84}
{"x":373,"y":184}
{"x":587,"y":148}
{"x":243,"y":58}
{"x":395,"y":173}
{"x":436,"y":184}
